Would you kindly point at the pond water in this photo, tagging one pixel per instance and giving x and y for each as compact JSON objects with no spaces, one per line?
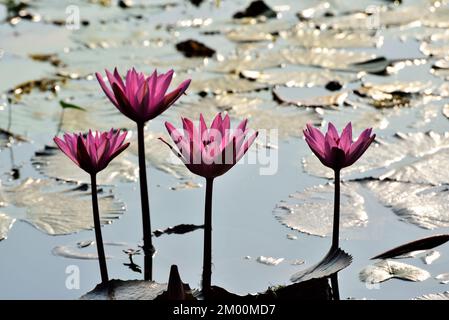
{"x":401,"y":181}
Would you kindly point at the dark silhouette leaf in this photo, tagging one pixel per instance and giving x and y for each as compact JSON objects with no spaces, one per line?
{"x":179,"y":229}
{"x":421,"y":244}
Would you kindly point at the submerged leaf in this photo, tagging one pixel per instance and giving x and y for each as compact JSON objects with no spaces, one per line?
{"x":333,"y":262}
{"x":311,"y":211}
{"x":421,"y":244}
{"x":386,"y":269}
{"x":57,"y":208}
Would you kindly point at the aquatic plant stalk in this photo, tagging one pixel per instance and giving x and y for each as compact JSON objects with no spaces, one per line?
{"x":336,"y":226}
{"x":145,"y":204}
{"x":335,"y":289}
{"x":209,"y":152}
{"x":337,"y":152}
{"x":97,"y":226}
{"x":207,"y":252}
{"x":142,"y":98}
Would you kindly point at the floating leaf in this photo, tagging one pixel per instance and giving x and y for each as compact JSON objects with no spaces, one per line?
{"x":324,"y":101}
{"x":6,"y":223}
{"x":45,"y":205}
{"x":225,"y":84}
{"x":421,"y":244}
{"x":315,"y":38}
{"x":391,"y":95}
{"x":426,"y":169}
{"x":386,"y":269}
{"x":311,"y":211}
{"x":335,"y":59}
{"x":422,"y":205}
{"x":333,"y":262}
{"x":126,"y":290}
{"x":300,"y":78}
{"x":269,"y":261}
{"x":261,"y":114}
{"x":374,"y":17}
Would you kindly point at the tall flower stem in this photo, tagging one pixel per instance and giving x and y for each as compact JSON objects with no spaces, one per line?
{"x":335,"y":289}
{"x":207,"y":253}
{"x":336,"y":229}
{"x":97,"y":225}
{"x":146,"y":222}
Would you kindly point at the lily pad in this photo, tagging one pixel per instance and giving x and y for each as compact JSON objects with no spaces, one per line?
{"x":311,"y":211}
{"x":261,"y":114}
{"x":282,"y":95}
{"x":315,"y":38}
{"x":300,"y":78}
{"x":391,"y":95}
{"x":225,"y":84}
{"x":335,"y":59}
{"x":57,"y":208}
{"x":422,"y":205}
{"x":386,"y":269}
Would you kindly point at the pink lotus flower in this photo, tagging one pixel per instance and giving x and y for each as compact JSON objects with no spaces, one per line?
{"x":210,"y":152}
{"x":93,"y":152}
{"x":141,"y":98}
{"x":336,"y":151}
